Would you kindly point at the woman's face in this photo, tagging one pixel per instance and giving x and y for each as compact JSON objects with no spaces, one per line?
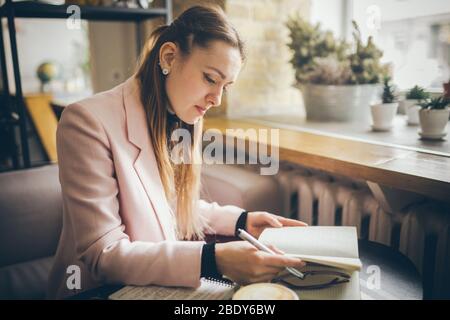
{"x":196,"y":83}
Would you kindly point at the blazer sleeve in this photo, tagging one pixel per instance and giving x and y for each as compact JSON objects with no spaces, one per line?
{"x":221,"y":219}
{"x":90,"y":190}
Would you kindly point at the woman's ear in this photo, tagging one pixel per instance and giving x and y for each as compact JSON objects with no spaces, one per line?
{"x":167,"y":54}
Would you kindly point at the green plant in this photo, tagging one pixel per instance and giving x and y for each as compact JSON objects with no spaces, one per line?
{"x":388,"y":95}
{"x":437,"y":103}
{"x":316,"y":54}
{"x":417,"y":93}
{"x":365,"y":61}
{"x":309,"y":42}
{"x":330,"y":71}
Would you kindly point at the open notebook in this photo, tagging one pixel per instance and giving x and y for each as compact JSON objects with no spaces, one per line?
{"x":210,"y":289}
{"x":328,"y":248}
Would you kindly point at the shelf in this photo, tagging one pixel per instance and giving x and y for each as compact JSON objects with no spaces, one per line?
{"x":31,"y":9}
{"x":12,"y":122}
{"x":40,"y":10}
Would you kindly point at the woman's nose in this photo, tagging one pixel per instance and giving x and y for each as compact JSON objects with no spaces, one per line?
{"x":215,"y":98}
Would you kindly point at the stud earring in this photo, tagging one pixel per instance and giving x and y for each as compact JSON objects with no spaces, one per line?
{"x":165,"y":71}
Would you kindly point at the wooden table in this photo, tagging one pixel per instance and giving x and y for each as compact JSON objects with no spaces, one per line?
{"x":425,"y":172}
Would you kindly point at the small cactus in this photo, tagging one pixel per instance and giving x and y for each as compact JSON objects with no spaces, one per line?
{"x":437,"y":103}
{"x":388,"y":95}
{"x":417,"y":93}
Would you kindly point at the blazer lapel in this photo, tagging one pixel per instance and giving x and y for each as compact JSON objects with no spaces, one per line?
{"x":145,"y":164}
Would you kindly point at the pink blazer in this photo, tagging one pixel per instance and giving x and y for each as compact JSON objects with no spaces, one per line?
{"x":117,"y":226}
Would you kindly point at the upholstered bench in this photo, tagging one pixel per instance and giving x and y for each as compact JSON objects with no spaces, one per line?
{"x":30,"y":225}
{"x":239,"y":186}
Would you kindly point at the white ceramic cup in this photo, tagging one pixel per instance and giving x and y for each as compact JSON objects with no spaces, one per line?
{"x":265,"y":291}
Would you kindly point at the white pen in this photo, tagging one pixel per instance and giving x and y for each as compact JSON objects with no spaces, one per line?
{"x":248,"y":237}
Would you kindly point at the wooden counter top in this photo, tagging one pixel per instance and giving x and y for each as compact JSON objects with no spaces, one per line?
{"x":423,"y":173}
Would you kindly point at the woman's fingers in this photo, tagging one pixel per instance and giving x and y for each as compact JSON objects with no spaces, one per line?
{"x":263,"y":278}
{"x":291,"y":222}
{"x":274,"y":221}
{"x":269,"y":270}
{"x":281,"y":261}
{"x":265,"y":274}
{"x":275,"y":249}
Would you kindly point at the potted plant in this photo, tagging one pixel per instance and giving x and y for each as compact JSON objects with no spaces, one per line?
{"x":411,"y":106}
{"x":338,"y":81}
{"x":383,"y":113}
{"x":433,"y":118}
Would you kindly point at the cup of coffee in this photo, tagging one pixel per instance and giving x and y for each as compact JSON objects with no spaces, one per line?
{"x":265,"y":291}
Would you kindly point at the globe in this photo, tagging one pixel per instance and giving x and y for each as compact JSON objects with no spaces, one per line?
{"x":47,"y":71}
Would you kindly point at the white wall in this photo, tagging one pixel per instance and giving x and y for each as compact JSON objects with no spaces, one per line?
{"x":40,"y":40}
{"x":402,"y":29}
{"x":403,"y":9}
{"x":364,"y":11}
{"x":113,"y":53}
{"x":330,"y":14}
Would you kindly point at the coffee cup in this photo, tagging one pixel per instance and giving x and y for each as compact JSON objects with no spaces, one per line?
{"x":265,"y":291}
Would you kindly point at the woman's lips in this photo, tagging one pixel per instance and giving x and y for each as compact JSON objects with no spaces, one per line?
{"x":201,"y":110}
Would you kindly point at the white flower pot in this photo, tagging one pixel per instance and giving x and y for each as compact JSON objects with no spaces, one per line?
{"x":405,"y":104}
{"x":382,"y":115}
{"x":412,"y":114}
{"x":433,"y":123}
{"x":338,"y":103}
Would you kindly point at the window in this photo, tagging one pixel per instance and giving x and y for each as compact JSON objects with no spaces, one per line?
{"x":413,"y":34}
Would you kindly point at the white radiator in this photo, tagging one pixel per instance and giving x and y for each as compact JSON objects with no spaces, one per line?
{"x":323,"y":199}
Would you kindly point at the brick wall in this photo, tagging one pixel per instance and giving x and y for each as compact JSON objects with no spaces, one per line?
{"x":265,"y":82}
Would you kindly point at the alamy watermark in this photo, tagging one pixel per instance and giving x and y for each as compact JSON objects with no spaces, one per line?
{"x":73,"y":22}
{"x":374,"y":279}
{"x":263,"y":148}
{"x":73,"y":281}
{"x":373,"y":20}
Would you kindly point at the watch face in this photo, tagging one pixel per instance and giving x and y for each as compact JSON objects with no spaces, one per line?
{"x":143,"y":3}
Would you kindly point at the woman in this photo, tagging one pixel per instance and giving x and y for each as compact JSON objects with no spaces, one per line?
{"x":128,"y":210}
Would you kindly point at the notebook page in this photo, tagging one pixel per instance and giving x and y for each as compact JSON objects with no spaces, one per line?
{"x":314,"y":241}
{"x":338,"y":262}
{"x":208,"y":290}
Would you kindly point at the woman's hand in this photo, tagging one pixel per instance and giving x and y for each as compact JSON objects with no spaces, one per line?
{"x":257,"y":221}
{"x":243,"y":263}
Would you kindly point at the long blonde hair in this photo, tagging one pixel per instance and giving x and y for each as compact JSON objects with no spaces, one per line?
{"x":197,"y":26}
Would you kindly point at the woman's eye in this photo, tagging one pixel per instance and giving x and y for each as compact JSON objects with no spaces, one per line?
{"x":209,"y":79}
